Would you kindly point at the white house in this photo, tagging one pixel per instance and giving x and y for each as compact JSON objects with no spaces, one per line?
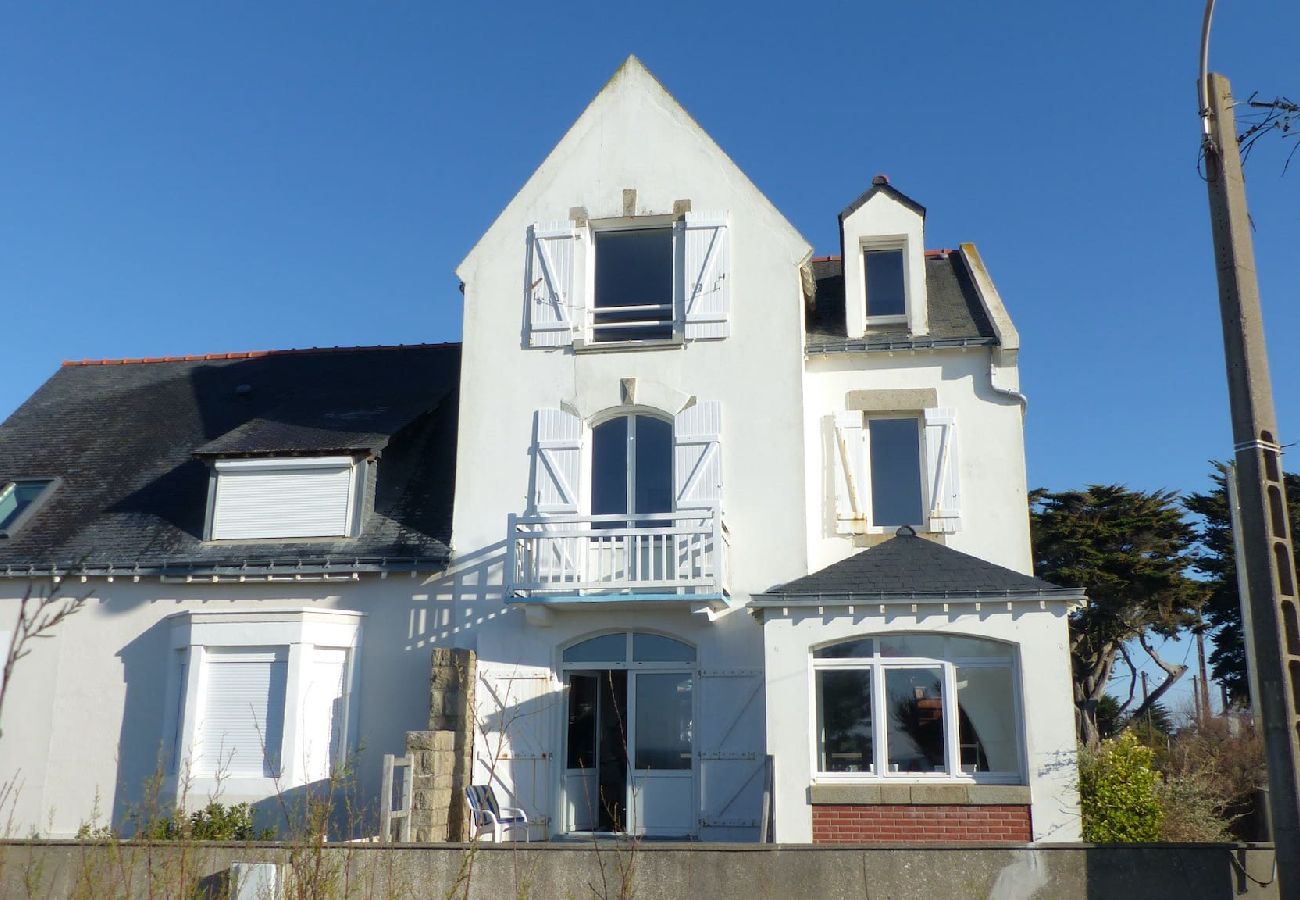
{"x":715,"y":502}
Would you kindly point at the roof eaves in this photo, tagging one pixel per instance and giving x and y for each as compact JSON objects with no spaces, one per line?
{"x":846,"y":598}
{"x":250,"y":570}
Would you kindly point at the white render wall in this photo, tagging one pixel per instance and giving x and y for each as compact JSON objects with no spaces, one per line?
{"x":990,"y":435}
{"x":84,"y":718}
{"x":1041,"y":636}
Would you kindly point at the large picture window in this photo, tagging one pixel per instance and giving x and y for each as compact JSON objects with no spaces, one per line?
{"x":918,"y":706}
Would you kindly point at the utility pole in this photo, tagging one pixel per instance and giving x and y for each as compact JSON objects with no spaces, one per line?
{"x":1204,"y":697}
{"x":1271,"y":598}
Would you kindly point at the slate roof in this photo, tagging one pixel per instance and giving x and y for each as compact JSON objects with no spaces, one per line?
{"x":911,"y":565}
{"x":956,"y":315}
{"x":122,"y":436}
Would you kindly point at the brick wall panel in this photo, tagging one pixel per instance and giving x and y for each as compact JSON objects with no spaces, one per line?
{"x":889,"y":822}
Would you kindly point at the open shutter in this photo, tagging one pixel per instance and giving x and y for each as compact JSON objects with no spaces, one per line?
{"x":706,"y":299}
{"x":852,"y":489}
{"x":942,"y":482}
{"x":557,"y":449}
{"x":697,"y":457}
{"x":554,"y":307}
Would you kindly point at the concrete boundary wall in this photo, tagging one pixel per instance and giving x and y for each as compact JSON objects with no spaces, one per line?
{"x":650,"y":870}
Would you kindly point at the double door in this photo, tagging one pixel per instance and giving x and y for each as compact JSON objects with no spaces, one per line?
{"x":629,"y":752}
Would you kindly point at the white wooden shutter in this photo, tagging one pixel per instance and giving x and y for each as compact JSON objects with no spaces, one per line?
{"x":706,"y":277}
{"x":554,"y":288}
{"x":242,"y":722}
{"x":557,"y":453}
{"x":283,"y":498}
{"x":323,"y":711}
{"x":852,"y":472}
{"x":697,"y":456}
{"x":943,"y":488}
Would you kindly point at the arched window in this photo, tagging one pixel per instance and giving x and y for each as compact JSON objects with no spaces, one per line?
{"x":918,"y":705}
{"x":632,"y":466}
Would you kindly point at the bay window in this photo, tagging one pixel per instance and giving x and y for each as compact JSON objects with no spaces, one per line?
{"x":917,"y":706}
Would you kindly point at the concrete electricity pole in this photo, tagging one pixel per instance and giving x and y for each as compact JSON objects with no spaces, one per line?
{"x":1270,"y":603}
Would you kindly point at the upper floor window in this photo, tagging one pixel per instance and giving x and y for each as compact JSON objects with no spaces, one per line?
{"x":633,"y":295}
{"x":893,"y":469}
{"x":631,"y":281}
{"x":886,"y":284}
{"x":19,"y":499}
{"x":918,"y":705}
{"x":300,"y":497}
{"x":632,"y":466}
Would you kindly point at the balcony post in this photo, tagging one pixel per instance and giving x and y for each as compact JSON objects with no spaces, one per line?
{"x":511,"y":574}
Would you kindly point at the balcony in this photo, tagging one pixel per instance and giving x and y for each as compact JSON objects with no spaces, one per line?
{"x":575,"y":559}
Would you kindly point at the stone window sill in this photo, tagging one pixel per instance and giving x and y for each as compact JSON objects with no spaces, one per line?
{"x":920,"y":794}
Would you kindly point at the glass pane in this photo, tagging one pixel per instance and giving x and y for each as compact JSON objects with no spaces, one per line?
{"x":856,"y":649}
{"x":634,"y":269}
{"x":886,"y":295}
{"x":609,"y":467}
{"x":663,"y":721}
{"x":914,"y":698}
{"x":16,"y":497}
{"x":657,"y":648}
{"x":942,"y":646}
{"x":606,"y":648}
{"x":844,"y":721}
{"x":895,"y":471}
{"x":583,"y":691}
{"x":986,"y":716}
{"x":653,"y":445}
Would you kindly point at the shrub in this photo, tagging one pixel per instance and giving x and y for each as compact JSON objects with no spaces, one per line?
{"x":1118,"y":792}
{"x":215,"y":822}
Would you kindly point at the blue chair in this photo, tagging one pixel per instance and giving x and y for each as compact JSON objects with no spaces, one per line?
{"x":487,"y":815}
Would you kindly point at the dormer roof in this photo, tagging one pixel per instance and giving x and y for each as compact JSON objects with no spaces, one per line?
{"x":880,"y":185}
{"x":122,"y":436}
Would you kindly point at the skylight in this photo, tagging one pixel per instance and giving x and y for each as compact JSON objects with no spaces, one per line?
{"x":17,"y":499}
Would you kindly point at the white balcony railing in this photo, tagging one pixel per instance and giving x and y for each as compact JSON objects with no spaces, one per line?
{"x":677,"y":553}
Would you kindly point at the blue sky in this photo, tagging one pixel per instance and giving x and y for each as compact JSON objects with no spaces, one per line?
{"x":187,"y":178}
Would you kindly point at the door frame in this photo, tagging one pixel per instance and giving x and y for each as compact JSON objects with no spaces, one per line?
{"x":632,"y":668}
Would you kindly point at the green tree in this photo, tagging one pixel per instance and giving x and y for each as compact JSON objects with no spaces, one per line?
{"x":1215,"y":559}
{"x":1119,"y":792}
{"x":1131,"y":551}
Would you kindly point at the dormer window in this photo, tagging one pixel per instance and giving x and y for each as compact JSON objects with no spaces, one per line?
{"x":19,"y":499}
{"x":886,"y":284}
{"x":285,"y":498}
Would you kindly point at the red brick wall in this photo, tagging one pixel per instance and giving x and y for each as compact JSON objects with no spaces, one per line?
{"x":834,"y":824}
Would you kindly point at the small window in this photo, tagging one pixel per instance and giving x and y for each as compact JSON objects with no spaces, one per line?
{"x":17,"y":498}
{"x":258,"y":499}
{"x":896,"y":487}
{"x":241,"y":726}
{"x":912,"y":705}
{"x":886,"y":287}
{"x":634,"y":285}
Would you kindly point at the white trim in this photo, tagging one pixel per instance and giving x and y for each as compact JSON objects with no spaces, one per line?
{"x":284,"y":462}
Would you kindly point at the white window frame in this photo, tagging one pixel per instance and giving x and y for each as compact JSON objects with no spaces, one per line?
{"x":584,"y":338}
{"x":898,"y":242}
{"x":298,"y":632}
{"x":922,"y":463}
{"x":878,"y":665}
{"x":356,"y":485}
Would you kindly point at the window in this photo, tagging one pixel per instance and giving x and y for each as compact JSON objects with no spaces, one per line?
{"x":257,"y":499}
{"x":886,"y":285}
{"x":917,"y":705}
{"x":633,"y":297}
{"x":632,"y":466}
{"x":19,"y":500}
{"x":896,"y":488}
{"x":257,"y":698}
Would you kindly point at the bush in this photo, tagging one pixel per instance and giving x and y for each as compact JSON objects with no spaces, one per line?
{"x":1119,"y":792}
{"x":215,"y":822}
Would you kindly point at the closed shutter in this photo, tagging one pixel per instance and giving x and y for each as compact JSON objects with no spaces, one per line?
{"x":697,"y":456}
{"x":554,"y":294}
{"x":557,"y":451}
{"x":285,"y":499}
{"x":706,"y":276}
{"x":242,"y":722}
{"x":324,"y":709}
{"x":943,"y":487}
{"x":852,"y":489}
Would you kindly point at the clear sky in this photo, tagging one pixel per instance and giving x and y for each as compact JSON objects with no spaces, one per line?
{"x":185,"y":178}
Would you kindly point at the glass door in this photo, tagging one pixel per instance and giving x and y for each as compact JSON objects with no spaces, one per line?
{"x":662,"y":789}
